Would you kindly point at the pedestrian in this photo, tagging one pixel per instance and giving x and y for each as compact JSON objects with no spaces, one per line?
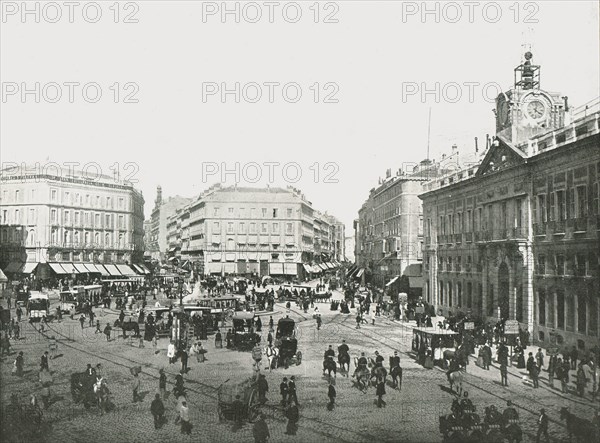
{"x":535,"y":375}
{"x":283,"y":391}
{"x":373,"y":318}
{"x":263,"y":388}
{"x":319,"y":322}
{"x":157,"y":408}
{"x":292,"y":390}
{"x":530,"y":363}
{"x":155,"y":343}
{"x":19,"y":364}
{"x":358,"y":320}
{"x":136,"y":387}
{"x":487,"y":357}
{"x":19,"y":313}
{"x":17,"y":331}
{"x":44,"y":361}
{"x":97,"y":327}
{"x":331,"y":394}
{"x":184,"y":415}
{"x":551,"y":369}
{"x":271,"y":324}
{"x":91,"y":321}
{"x":581,"y":381}
{"x":107,"y":331}
{"x":162,"y":384}
{"x":574,"y":357}
{"x":542,"y":426}
{"x":8,"y":301}
{"x":53,"y":347}
{"x":171,"y":352}
{"x":293,"y":416}
{"x":539,"y":359}
{"x":504,"y":374}
{"x":565,"y":380}
{"x":261,"y":430}
{"x":82,"y":321}
{"x":380,"y":392}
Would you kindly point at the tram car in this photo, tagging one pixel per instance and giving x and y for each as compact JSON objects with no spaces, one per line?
{"x":38,"y":306}
{"x":286,"y":341}
{"x":431,"y":343}
{"x":245,"y":339}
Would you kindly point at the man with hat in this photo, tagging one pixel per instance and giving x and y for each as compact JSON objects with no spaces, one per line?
{"x":261,"y":430}
{"x":283,"y":390}
{"x":378,"y":359}
{"x":362,"y":363}
{"x":328,"y":353}
{"x":542,"y":426}
{"x":292,"y":390}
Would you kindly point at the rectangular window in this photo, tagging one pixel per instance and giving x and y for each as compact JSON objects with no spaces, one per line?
{"x":571,"y":202}
{"x":252,"y":228}
{"x":519,"y":213}
{"x":289,"y":228}
{"x":216,"y":228}
{"x":274,"y":213}
{"x":230,"y":211}
{"x":53,"y":195}
{"x":289,"y":212}
{"x":561,"y":205}
{"x":67,"y":217}
{"x":264,"y":212}
{"x":582,"y":206}
{"x":542,"y":208}
{"x":121,"y":201}
{"x":275,"y":228}
{"x":551,"y":207}
{"x":17,"y":195}
{"x":581,"y":265}
{"x":67,"y":199}
{"x":230,"y":228}
{"x":560,"y":265}
{"x":242,"y":228}
{"x":263,"y":228}
{"x":32,"y":216}
{"x":76,"y":218}
{"x":541,"y":264}
{"x":596,"y":199}
{"x":107,"y":221}
{"x":87,"y":199}
{"x":97,"y":221}
{"x":121,"y":222}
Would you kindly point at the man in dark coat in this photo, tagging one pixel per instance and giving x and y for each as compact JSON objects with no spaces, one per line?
{"x":261,"y":430}
{"x":283,"y":390}
{"x":487,"y":357}
{"x":380,"y":392}
{"x":542,"y":426}
{"x":44,"y":362}
{"x":331,"y":394}
{"x":184,"y":361}
{"x":292,"y":390}
{"x":343,"y":348}
{"x":158,"y":410}
{"x":293,"y":416}
{"x":263,"y":388}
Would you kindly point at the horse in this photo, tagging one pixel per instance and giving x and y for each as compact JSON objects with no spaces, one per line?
{"x":396,"y":373}
{"x":101,"y":391}
{"x":343,"y":360}
{"x":362,"y":376}
{"x":456,"y":378}
{"x":273,"y":357}
{"x":128,"y":326}
{"x":378,"y":372}
{"x":330,"y":365}
{"x":581,"y":428}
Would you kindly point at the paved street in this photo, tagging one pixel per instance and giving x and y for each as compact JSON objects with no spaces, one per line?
{"x":411,"y":414}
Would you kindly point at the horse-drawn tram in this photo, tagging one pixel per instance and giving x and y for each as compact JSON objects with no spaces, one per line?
{"x":238,"y":399}
{"x":244,"y":339}
{"x":431,"y":343}
{"x":287,"y":343}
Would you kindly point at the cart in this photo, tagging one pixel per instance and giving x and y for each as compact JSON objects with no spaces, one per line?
{"x":226,"y":395}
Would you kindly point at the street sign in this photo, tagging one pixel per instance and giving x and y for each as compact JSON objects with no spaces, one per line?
{"x":469,"y":325}
{"x":552,"y":350}
{"x":511,"y":327}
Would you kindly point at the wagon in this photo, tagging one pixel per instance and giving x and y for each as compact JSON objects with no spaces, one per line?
{"x":226,"y":397}
{"x":244,"y":338}
{"x":287,"y":342}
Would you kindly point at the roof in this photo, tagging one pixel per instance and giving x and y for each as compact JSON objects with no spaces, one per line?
{"x":286,"y":320}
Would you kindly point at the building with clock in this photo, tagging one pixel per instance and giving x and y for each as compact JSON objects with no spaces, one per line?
{"x":518,"y":238}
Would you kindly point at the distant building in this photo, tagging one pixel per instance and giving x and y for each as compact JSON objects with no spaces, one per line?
{"x":61,"y":215}
{"x":349,"y":248}
{"x":264,"y":231}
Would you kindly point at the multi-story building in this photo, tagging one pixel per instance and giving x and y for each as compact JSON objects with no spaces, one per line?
{"x":240,"y":230}
{"x":389,"y":230}
{"x":517,"y":236}
{"x":60,"y":215}
{"x":163,"y":209}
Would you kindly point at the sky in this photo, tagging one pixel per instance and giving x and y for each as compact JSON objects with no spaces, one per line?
{"x":330,"y":94}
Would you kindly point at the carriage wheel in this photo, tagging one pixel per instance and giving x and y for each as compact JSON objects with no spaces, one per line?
{"x":298,"y":358}
{"x":253,"y":406}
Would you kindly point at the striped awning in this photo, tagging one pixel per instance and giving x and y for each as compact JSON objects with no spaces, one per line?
{"x":360,"y":272}
{"x":144,"y":268}
{"x":92,"y":268}
{"x":102,"y":270}
{"x":112,"y":269}
{"x":69,"y":268}
{"x":57,"y":268}
{"x":307,"y":268}
{"x":125,"y":270}
{"x":81,"y":268}
{"x":28,"y":268}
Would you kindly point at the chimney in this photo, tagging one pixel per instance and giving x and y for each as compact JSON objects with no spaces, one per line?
{"x":443,"y":157}
{"x":454,"y":149}
{"x":566,"y":100}
{"x":487,"y":141}
{"x":476,"y":147}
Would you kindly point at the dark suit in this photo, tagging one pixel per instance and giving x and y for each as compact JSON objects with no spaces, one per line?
{"x":542,"y":428}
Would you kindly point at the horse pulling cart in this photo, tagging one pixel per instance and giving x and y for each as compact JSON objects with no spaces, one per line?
{"x":246,"y":407}
{"x":287,"y":343}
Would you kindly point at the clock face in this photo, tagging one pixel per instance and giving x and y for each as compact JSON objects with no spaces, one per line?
{"x":536,"y":109}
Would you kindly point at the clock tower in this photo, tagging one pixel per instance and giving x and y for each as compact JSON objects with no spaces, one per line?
{"x":526,"y":109}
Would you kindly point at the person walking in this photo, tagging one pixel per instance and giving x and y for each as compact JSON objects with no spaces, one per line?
{"x":157,"y":408}
{"x":44,"y":361}
{"x":184,"y":361}
{"x":293,"y":416}
{"x":19,"y":364}
{"x":358,"y":320}
{"x":319,"y":321}
{"x":331,"y":394}
{"x":504,"y":374}
{"x":263,"y":388}
{"x":380,"y":392}
{"x":98,"y":331}
{"x":184,"y":416}
{"x":581,"y":381}
{"x":283,"y":391}
{"x":82,"y":321}
{"x":107,"y":331}
{"x":136,"y":387}
{"x":91,"y":320}
{"x":162,"y":384}
{"x":535,"y":376}
{"x":260,"y":430}
{"x":530,"y":363}
{"x":19,"y":312}
{"x":487,"y":357}
{"x":171,"y":352}
{"x":292,"y":390}
{"x":539,"y":359}
{"x":551,"y":369}
{"x":565,"y":377}
{"x":574,"y":356}
{"x":542,"y":426}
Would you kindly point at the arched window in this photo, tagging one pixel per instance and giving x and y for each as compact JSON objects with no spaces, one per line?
{"x":54,"y":236}
{"x":96,"y":239}
{"x":31,"y":237}
{"x":107,"y":240}
{"x":121,"y":241}
{"x":87,"y":238}
{"x":76,"y":237}
{"x":67,"y":238}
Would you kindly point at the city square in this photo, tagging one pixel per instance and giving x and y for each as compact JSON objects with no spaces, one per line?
{"x":185,"y":255}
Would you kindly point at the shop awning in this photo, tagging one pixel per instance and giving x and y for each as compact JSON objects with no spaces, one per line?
{"x":92,"y":268}
{"x":112,"y":269}
{"x":81,"y":268}
{"x":415,"y":282}
{"x":137,"y":269}
{"x":57,"y":268}
{"x":144,"y":268}
{"x":360,"y":272}
{"x":29,"y":268}
{"x":102,"y":270}
{"x":322,"y":266}
{"x":392,"y":281}
{"x":306,"y":267}
{"x":3,"y":277}
{"x":276,"y":268}
{"x":125,"y":270}
{"x":351,"y":270}
{"x":290,"y":269}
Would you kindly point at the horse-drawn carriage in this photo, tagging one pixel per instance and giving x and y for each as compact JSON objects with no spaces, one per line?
{"x":431,"y":344}
{"x":322,"y":296}
{"x":467,"y":426}
{"x":244,"y":338}
{"x":286,"y":341}
{"x":238,"y":399}
{"x":128,"y":325}
{"x":90,"y":391}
